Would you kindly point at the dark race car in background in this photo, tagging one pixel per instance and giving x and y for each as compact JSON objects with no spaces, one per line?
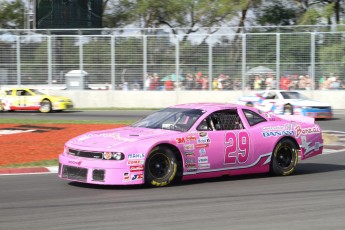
{"x":287,"y":102}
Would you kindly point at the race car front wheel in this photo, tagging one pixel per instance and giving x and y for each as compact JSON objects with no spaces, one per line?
{"x":161,"y":167}
{"x":284,"y":158}
{"x":288,"y":110}
{"x":46,"y":106}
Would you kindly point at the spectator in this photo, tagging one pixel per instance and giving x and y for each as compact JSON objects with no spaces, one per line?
{"x":268,"y":82}
{"x":335,"y":83}
{"x":236,"y":85}
{"x":204,"y":83}
{"x":168,"y":84}
{"x":285,"y":82}
{"x":215,"y":84}
{"x":308,"y":82}
{"x":155,"y":84}
{"x":226,"y":82}
{"x":147,"y":82}
{"x":257,"y":82}
{"x":301,"y":83}
{"x":321,"y":82}
{"x":197,"y":81}
{"x":327,"y":83}
{"x":125,"y":86}
{"x":220,"y":82}
{"x":189,"y":83}
{"x":293,"y":82}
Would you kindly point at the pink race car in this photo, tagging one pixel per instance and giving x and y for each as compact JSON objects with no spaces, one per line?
{"x":199,"y":140}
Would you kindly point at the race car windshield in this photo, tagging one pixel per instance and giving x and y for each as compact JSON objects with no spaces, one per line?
{"x":178,"y":119}
{"x":293,"y":95}
{"x":35,"y":91}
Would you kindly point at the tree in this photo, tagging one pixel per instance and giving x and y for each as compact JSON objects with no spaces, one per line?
{"x":277,"y":13}
{"x":317,"y":11}
{"x":192,"y":15}
{"x":12,"y":14}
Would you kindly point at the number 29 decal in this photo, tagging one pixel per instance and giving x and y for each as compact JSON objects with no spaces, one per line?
{"x":236,"y":147}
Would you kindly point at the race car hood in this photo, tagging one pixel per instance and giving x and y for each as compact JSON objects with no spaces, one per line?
{"x":249,"y":98}
{"x":309,"y":103}
{"x":58,"y":98}
{"x":115,"y":137}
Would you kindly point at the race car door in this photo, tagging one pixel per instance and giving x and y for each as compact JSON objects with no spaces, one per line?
{"x":19,"y":99}
{"x":25,"y":99}
{"x":268,"y":100}
{"x":223,"y":143}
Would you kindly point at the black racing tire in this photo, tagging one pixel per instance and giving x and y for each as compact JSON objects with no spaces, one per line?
{"x":284,"y":158}
{"x":288,"y":109}
{"x":161,"y":167}
{"x":249,"y":104}
{"x":45,"y":106}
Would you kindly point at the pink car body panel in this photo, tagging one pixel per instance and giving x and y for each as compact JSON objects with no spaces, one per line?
{"x":204,"y":154}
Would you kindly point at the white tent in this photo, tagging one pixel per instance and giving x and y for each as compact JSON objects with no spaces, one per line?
{"x":260,"y":70}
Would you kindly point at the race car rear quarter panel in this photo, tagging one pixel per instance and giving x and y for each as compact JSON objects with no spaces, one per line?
{"x":310,"y":140}
{"x":318,"y":113}
{"x":307,"y":135}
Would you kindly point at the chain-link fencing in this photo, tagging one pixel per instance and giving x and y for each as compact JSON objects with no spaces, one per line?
{"x":167,"y":61}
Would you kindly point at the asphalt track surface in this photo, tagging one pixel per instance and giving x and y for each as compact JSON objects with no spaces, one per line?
{"x":312,"y":198}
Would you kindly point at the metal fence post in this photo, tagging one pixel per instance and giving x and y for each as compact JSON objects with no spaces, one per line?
{"x":18,"y":60}
{"x":312,"y":61}
{"x":177,"y":61}
{"x":81,"y":64}
{"x":210,"y":65}
{"x":144,"y":60}
{"x":277,"y":60}
{"x":112,"y":64}
{"x":50,"y":70}
{"x":244,"y":62}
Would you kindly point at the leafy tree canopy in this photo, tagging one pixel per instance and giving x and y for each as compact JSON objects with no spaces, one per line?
{"x":12,"y":14}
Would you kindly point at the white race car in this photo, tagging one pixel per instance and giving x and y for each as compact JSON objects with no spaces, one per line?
{"x":287,"y":102}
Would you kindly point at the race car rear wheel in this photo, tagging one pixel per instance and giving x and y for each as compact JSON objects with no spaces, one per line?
{"x":288,"y":110}
{"x":284,"y":158}
{"x":161,"y":167}
{"x":46,"y":106}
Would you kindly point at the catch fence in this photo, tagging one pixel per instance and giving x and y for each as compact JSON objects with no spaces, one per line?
{"x":220,"y":61}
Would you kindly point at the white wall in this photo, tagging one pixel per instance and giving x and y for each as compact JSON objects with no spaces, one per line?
{"x":161,"y":99}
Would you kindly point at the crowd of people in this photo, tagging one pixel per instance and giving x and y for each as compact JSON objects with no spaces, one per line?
{"x":296,"y":82}
{"x":191,"y":81}
{"x":331,"y":82}
{"x":200,"y":81}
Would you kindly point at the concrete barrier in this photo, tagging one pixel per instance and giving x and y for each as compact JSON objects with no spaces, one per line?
{"x":161,"y":99}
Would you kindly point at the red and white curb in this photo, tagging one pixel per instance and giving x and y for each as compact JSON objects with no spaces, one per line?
{"x":33,"y":170}
{"x":338,"y":145}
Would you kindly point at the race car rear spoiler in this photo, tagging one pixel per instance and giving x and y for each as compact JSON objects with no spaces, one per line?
{"x":298,"y":118}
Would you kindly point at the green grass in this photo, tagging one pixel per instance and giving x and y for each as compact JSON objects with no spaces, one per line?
{"x":33,"y":121}
{"x":45,"y":163}
{"x":115,"y":108}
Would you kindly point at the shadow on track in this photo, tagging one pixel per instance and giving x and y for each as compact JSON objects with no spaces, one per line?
{"x":306,"y":168}
{"x":312,"y":168}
